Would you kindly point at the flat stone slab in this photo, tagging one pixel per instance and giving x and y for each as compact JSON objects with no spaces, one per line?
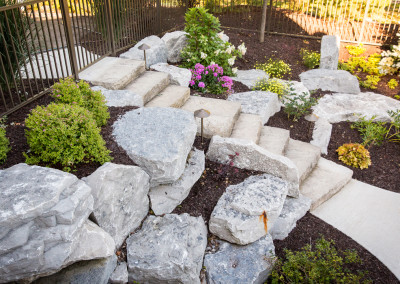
{"x":330,"y":47}
{"x":120,"y":98}
{"x":338,"y":81}
{"x":250,"y":77}
{"x":246,"y":211}
{"x":223,"y":115}
{"x":167,"y":249}
{"x":274,"y":139}
{"x":164,"y":198}
{"x":370,"y":216}
{"x":178,"y":76}
{"x":348,"y":107}
{"x":158,"y":140}
{"x":322,"y":135}
{"x":248,"y":126}
{"x":112,"y":72}
{"x":171,"y":96}
{"x":264,"y":104}
{"x":241,"y":264}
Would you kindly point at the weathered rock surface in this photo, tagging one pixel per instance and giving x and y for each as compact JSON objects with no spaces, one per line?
{"x":239,"y":217}
{"x":178,"y":76}
{"x":120,"y":198}
{"x":339,"y":81}
{"x":175,"y":42}
{"x":157,"y":53}
{"x":120,"y":98}
{"x":264,"y":104}
{"x":250,"y":77}
{"x":93,"y":271}
{"x":167,"y":249}
{"x":164,"y":198}
{"x":240,"y":264}
{"x":158,"y":140}
{"x":43,"y":221}
{"x":322,"y":134}
{"x":293,"y":210}
{"x":347,"y":107}
{"x":330,"y":46}
{"x":120,"y":274}
{"x":254,"y":157}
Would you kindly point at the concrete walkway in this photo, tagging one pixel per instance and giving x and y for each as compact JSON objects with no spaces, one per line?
{"x":369,"y":215}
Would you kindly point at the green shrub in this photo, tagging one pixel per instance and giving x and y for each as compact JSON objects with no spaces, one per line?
{"x":69,"y":92}
{"x":4,"y":145}
{"x":65,"y":135}
{"x":393,"y":134}
{"x":310,"y":58}
{"x":372,"y":132}
{"x":275,"y":68}
{"x":273,"y":85}
{"x":298,"y":106}
{"x":355,"y":155}
{"x":392,"y":84}
{"x":321,"y":264}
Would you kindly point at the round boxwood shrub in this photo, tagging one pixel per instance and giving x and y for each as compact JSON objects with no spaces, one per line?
{"x":355,"y":155}
{"x":4,"y":145}
{"x":64,"y":135}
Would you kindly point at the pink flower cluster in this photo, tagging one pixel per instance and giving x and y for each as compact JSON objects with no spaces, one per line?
{"x":210,"y":78}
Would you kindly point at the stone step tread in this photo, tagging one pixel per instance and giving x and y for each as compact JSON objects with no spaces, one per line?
{"x":326,"y":180}
{"x":274,"y":139}
{"x":149,"y":84}
{"x":248,"y":126}
{"x":172,"y":96}
{"x":223,"y":115}
{"x":304,"y":155}
{"x":113,"y":73}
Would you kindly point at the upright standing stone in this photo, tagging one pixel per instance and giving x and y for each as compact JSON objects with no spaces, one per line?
{"x":175,"y":42}
{"x":330,"y":46}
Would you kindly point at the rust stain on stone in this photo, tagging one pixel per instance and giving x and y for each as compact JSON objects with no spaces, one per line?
{"x":264,"y":219}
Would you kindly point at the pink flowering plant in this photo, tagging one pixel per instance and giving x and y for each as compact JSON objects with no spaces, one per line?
{"x":210,"y":79}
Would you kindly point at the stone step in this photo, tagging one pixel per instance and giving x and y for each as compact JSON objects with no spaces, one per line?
{"x":248,"y":126}
{"x":326,"y":180}
{"x":223,"y":115}
{"x":149,"y":85}
{"x":304,"y":155}
{"x":274,"y":139}
{"x":113,"y":73}
{"x":171,"y":96}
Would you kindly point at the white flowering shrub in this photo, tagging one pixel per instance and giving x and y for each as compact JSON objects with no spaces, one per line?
{"x":390,"y":62}
{"x":205,"y":44}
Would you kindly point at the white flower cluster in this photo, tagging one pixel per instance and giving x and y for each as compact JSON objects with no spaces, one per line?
{"x":390,"y":62}
{"x":242,"y":49}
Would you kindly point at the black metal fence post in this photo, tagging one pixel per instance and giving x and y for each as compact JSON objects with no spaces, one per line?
{"x":110,"y":24}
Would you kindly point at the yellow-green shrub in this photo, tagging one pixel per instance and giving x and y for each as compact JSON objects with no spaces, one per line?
{"x":355,"y":155}
{"x":275,"y":68}
{"x":392,"y":84}
{"x":4,"y":145}
{"x":272,"y":85}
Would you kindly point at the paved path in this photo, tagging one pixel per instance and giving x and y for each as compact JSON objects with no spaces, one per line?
{"x":369,"y":215}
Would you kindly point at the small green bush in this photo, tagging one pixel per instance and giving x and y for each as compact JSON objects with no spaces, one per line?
{"x":372,"y":132}
{"x":310,"y":58}
{"x":69,"y":92}
{"x":354,"y":155}
{"x":272,"y":85}
{"x":392,"y":84}
{"x":62,"y":134}
{"x":371,"y":82}
{"x":321,"y":264}
{"x":4,"y":145}
{"x":275,"y":68}
{"x":298,"y":106}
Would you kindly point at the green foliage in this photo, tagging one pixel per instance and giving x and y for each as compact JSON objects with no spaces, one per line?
{"x":372,"y":132}
{"x":355,"y":155}
{"x":310,"y":58}
{"x":321,"y":264}
{"x":273,"y":85}
{"x":371,"y":82}
{"x":204,"y":43}
{"x":275,"y":68}
{"x":393,"y":134}
{"x":64,"y":135}
{"x":298,"y":106}
{"x":4,"y":143}
{"x":392,"y":84}
{"x":69,"y":92}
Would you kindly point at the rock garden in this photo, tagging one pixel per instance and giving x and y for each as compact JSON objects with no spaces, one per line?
{"x":120,"y":178}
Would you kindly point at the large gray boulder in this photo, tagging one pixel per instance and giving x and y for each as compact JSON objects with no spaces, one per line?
{"x":120,"y":199}
{"x":254,"y":157}
{"x":167,"y":249}
{"x":157,"y":53}
{"x":164,"y":198}
{"x":247,"y":211}
{"x":178,"y":76}
{"x":330,"y":47}
{"x":44,"y":223}
{"x":264,"y":104}
{"x":250,"y":264}
{"x":338,"y":81}
{"x":175,"y":42}
{"x":158,"y":140}
{"x":293,"y":210}
{"x":250,"y":77}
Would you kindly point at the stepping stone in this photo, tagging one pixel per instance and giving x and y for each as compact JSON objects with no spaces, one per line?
{"x":248,"y":126}
{"x":250,"y":77}
{"x":241,"y":264}
{"x":265,"y":104}
{"x":158,"y":140}
{"x":326,"y":180}
{"x":119,"y":98}
{"x":304,"y":155}
{"x":178,"y":76}
{"x":239,"y":216}
{"x":223,"y":115}
{"x":112,"y":72}
{"x":167,"y":249}
{"x":149,"y":85}
{"x":274,"y":139}
{"x":171,"y":96}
